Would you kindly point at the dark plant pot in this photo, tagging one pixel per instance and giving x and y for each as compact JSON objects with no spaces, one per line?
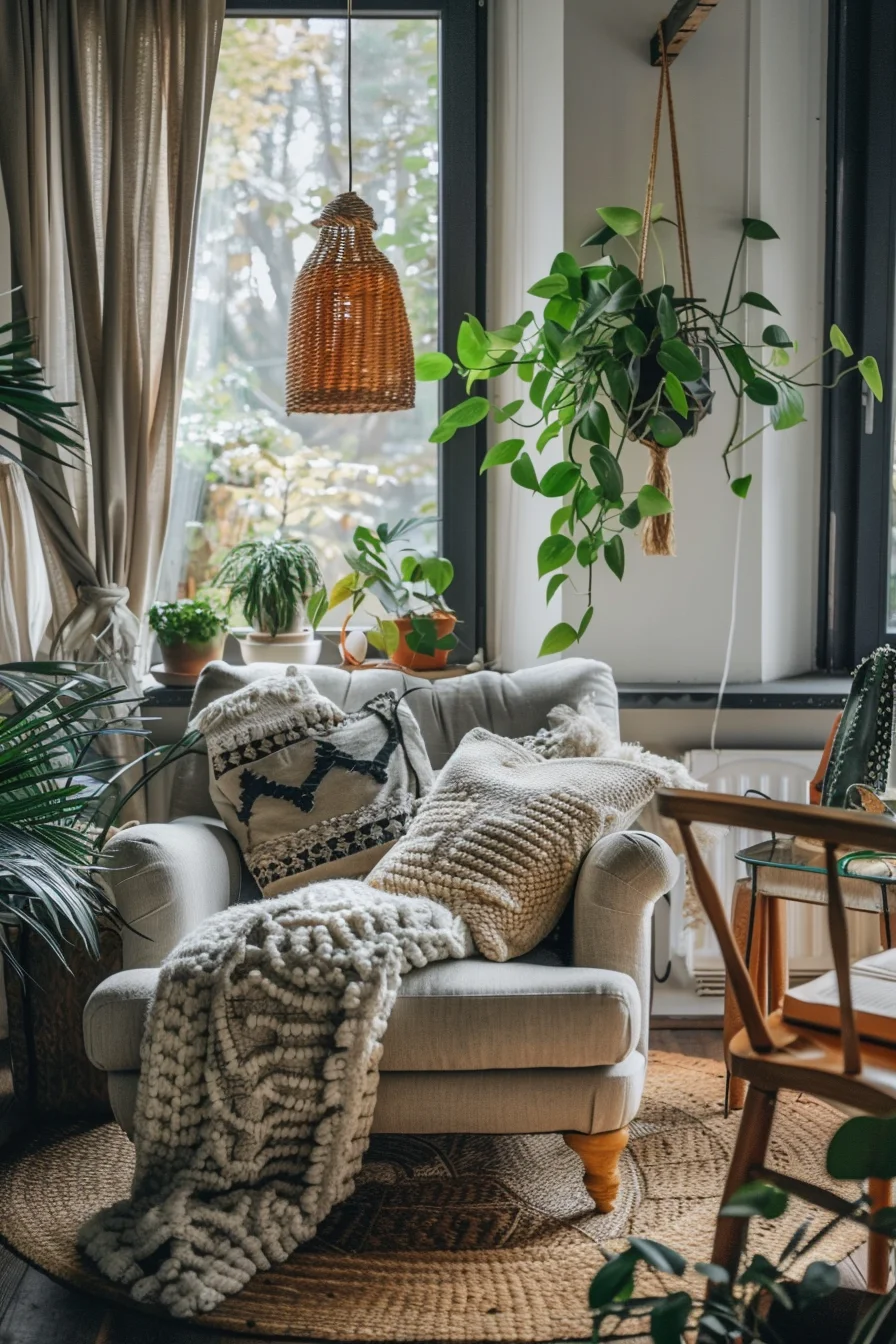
{"x":445,"y":621}
{"x":650,"y":376}
{"x":830,"y":1320}
{"x":187,"y":658}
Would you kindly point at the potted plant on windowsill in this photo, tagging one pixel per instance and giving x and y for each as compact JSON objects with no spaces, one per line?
{"x":417,"y":632}
{"x":278,"y":585}
{"x":191,"y":633}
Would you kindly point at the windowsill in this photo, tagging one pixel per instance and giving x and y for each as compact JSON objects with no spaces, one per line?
{"x":811,"y":691}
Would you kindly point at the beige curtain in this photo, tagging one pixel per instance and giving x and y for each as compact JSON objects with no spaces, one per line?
{"x":102,"y":166}
{"x":25,"y":605}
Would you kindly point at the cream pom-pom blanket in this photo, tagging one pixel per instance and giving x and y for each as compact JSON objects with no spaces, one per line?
{"x":258,"y":1080}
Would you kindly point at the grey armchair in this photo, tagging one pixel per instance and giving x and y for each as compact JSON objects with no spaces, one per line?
{"x":525,"y":1046}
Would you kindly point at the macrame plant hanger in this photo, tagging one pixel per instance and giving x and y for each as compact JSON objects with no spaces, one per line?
{"x":349,"y":344}
{"x":658,"y":534}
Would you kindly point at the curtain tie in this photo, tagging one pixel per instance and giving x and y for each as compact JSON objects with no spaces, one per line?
{"x":101,"y":628}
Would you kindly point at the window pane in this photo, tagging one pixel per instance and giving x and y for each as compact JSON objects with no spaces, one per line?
{"x":276,"y":153}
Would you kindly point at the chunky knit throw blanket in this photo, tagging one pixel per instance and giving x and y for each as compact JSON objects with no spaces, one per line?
{"x":258,"y":1083}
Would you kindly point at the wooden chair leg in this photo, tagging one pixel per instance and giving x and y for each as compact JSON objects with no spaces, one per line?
{"x":740,"y":927}
{"x":777,"y":953}
{"x":878,"y":1245}
{"x":600,"y":1156}
{"x":749,"y":1151}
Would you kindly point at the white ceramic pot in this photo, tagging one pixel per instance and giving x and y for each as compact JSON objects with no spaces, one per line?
{"x":287,"y":647}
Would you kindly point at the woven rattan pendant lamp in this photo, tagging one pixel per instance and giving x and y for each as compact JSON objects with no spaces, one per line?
{"x":349,"y":345}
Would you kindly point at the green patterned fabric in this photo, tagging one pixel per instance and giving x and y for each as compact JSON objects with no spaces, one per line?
{"x":861,"y":751}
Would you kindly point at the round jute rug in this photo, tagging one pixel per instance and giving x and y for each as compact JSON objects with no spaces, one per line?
{"x":458,"y":1237}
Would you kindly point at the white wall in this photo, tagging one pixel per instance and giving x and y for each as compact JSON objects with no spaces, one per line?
{"x":526,"y":211}
{"x":749,"y":98}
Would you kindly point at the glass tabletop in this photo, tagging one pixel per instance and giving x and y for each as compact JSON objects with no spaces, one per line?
{"x":788,"y":852}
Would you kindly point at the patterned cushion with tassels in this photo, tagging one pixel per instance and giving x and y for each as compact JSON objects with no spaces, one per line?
{"x":309,"y":791}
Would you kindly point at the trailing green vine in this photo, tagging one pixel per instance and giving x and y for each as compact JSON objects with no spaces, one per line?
{"x":612,"y":362}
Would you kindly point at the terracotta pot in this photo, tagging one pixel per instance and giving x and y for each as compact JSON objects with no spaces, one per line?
{"x":421,"y":662}
{"x":187,"y":657}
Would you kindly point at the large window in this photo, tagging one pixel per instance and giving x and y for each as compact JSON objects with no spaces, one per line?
{"x":857,"y":587}
{"x":277,"y":152}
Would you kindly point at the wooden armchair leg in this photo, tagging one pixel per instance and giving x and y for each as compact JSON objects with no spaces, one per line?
{"x":600,"y":1156}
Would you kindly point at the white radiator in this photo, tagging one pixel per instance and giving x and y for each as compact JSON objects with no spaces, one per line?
{"x":784,"y":776}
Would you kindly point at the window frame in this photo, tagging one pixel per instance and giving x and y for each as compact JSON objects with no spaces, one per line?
{"x":462,"y":259}
{"x":860,"y":296}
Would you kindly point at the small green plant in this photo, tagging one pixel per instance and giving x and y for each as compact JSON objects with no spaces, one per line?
{"x":610,"y":362}
{"x":191,"y":621}
{"x":763,"y":1304}
{"x":412,"y":587}
{"x":276,"y":582}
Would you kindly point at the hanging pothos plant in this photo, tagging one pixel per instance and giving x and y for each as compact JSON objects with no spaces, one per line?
{"x":612,"y":362}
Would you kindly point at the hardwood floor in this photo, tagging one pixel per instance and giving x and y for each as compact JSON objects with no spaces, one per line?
{"x":35,"y":1310}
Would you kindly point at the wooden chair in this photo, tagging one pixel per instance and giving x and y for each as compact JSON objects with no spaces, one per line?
{"x":759,"y":921}
{"x":769,"y":1054}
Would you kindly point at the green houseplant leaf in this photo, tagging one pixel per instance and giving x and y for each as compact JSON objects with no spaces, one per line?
{"x":676,"y":393}
{"x":762,"y":392}
{"x":652,"y":503}
{"x":871,"y":375}
{"x":554,"y":552}
{"x":863,"y":1147}
{"x":432,"y":366}
{"x":757,"y":1199}
{"x":788,"y":410}
{"x":758,"y":301}
{"x":621,"y":219}
{"x":558,"y":638}
{"x":839,"y":341}
{"x":614,"y":554}
{"x":675,"y":357}
{"x":501,"y":453}
{"x":664,"y":431}
{"x":549,"y":287}
{"x":560,"y":479}
{"x":523,"y":472}
{"x":758,"y":230}
{"x":777,"y":336}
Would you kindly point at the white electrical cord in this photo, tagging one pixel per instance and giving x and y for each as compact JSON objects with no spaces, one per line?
{"x":734,"y":586}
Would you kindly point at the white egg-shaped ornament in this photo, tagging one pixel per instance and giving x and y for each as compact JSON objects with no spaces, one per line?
{"x":354,"y":647}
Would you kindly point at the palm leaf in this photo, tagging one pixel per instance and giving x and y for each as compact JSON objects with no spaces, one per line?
{"x":57,"y":803}
{"x":26,"y":396}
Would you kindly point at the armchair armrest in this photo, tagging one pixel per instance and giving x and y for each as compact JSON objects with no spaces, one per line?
{"x":165,"y":879}
{"x":622,"y":877}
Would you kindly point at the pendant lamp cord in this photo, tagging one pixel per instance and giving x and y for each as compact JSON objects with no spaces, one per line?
{"x":348,"y":86}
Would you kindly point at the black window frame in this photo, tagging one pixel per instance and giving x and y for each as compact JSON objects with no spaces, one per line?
{"x":462,"y":242}
{"x":861,"y":298}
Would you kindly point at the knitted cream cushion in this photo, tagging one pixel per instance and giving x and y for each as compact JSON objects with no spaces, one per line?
{"x":502,"y":835}
{"x":309,"y":791}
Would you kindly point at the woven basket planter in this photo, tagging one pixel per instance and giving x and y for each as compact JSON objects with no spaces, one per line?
{"x":349,"y":346}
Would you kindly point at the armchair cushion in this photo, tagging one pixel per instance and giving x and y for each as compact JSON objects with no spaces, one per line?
{"x":502,"y":835}
{"x":451,"y":1016}
{"x":309,"y":791}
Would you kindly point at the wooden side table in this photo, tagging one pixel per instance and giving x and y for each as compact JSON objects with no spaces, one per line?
{"x":783,"y":869}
